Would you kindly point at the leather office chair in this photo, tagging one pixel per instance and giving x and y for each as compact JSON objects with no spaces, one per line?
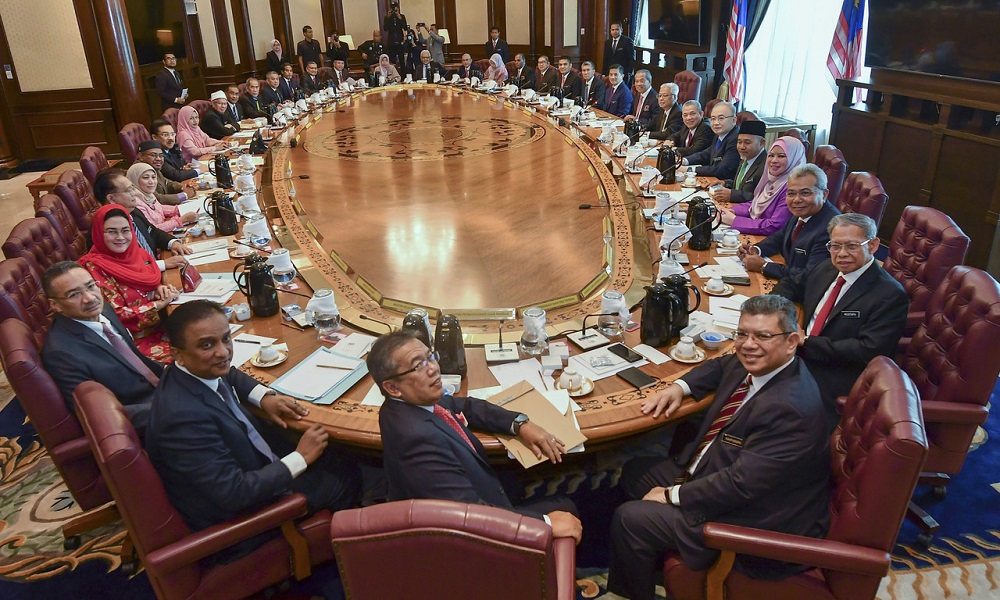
{"x":169,"y":550}
{"x":170,"y":115}
{"x":799,"y":134}
{"x":484,"y":63}
{"x":924,"y":247}
{"x":92,"y":162}
{"x":863,"y":193}
{"x":36,"y":241}
{"x":77,"y":193}
{"x":690,"y":86}
{"x":201,"y":106}
{"x":745,"y":115}
{"x":325,"y":74}
{"x":491,"y":553}
{"x":243,"y":86}
{"x":52,"y":208}
{"x":833,"y":163}
{"x":130,"y":137}
{"x":954,"y":362}
{"x":876,"y":455}
{"x":22,"y":298}
{"x":709,"y":106}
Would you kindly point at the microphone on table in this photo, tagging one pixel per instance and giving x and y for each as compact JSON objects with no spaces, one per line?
{"x":500,"y":352}
{"x":383,"y":323}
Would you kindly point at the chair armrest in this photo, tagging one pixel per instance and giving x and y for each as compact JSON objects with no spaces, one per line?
{"x":914,"y":318}
{"x":814,"y":552}
{"x":565,"y":553}
{"x":960,"y":413}
{"x":206,"y":542}
{"x":72,"y":449}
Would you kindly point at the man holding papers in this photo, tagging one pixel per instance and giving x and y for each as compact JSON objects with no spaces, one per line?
{"x":217,"y":460}
{"x":428,"y":450}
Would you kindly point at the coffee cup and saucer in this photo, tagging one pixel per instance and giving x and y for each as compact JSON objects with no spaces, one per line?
{"x":686,"y":352}
{"x":574,"y":383}
{"x":269,"y":356}
{"x":717,"y":287}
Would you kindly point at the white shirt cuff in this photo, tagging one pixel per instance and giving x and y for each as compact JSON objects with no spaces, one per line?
{"x":296,"y":464}
{"x":548,"y":521}
{"x":257,"y":394}
{"x":675,"y":495}
{"x":162,"y":265}
{"x":172,"y":242}
{"x":684,"y":386}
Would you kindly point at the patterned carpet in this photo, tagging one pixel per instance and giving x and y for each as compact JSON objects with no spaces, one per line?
{"x":963,"y":562}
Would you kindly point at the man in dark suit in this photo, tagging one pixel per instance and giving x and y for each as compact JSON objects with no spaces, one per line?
{"x":619,"y":50}
{"x":468,"y":70}
{"x":169,"y":84}
{"x":340,"y":73}
{"x":233,"y":103}
{"x":495,"y":45}
{"x":372,"y":49}
{"x":428,"y":450}
{"x":310,"y":80}
{"x":617,"y":98}
{"x":174,"y":167}
{"x":750,"y":146}
{"x":427,"y":68}
{"x":592,"y":85}
{"x":271,"y":92}
{"x":802,"y":241}
{"x":568,"y":81}
{"x":287,"y":84}
{"x":251,"y":103}
{"x":720,"y":159}
{"x":522,"y":71}
{"x":668,"y":120}
{"x":87,"y":342}
{"x":644,"y":105}
{"x":546,"y":79}
{"x":167,"y":191}
{"x":853,"y":310}
{"x":217,"y":122}
{"x":760,"y":458}
{"x":695,"y":135}
{"x":216,"y":458}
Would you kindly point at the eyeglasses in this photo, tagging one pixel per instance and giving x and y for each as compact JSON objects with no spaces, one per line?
{"x":76,"y":294}
{"x":805,"y":193}
{"x":849,"y":246}
{"x":721,"y":119}
{"x":154,"y":155}
{"x":131,"y":189}
{"x":123,"y":232}
{"x":433,"y":357}
{"x":760,"y":337}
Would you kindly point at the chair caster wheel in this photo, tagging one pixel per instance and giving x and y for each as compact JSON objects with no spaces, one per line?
{"x":71,"y":543}
{"x":940,"y":492}
{"x":924,"y":539}
{"x":129,"y":568}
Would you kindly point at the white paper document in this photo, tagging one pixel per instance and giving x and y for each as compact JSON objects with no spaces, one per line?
{"x":244,"y":347}
{"x":319,"y":372}
{"x":374,"y":397}
{"x":208,"y":257}
{"x":528,"y":370}
{"x":584,"y":363}
{"x":356,"y":345}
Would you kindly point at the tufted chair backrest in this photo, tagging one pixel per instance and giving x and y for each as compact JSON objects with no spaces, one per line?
{"x":22,"y":298}
{"x":77,"y":193}
{"x":863,"y":193}
{"x":833,"y":163}
{"x":36,"y":241}
{"x":130,"y":137}
{"x":92,"y":162}
{"x":54,"y":209}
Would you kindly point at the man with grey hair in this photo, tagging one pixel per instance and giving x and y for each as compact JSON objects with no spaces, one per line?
{"x":720,"y":159}
{"x":802,"y":241}
{"x":427,"y":68}
{"x":760,"y":458}
{"x":854,"y":310}
{"x":694,"y":136}
{"x":545,"y":77}
{"x":668,"y":121}
{"x":644,"y":103}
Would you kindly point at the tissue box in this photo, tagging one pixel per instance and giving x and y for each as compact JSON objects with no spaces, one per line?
{"x":551,"y":363}
{"x":560,"y":349}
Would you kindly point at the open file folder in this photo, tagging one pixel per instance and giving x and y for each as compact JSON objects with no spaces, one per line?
{"x":322,"y":377}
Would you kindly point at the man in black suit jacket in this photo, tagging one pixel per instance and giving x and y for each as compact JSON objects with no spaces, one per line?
{"x":251,"y":102}
{"x":864,"y":316}
{"x":695,"y":135}
{"x":170,"y":84}
{"x":77,"y":347}
{"x":427,"y":68}
{"x":760,"y":458}
{"x":428,"y":450}
{"x":750,"y":146}
{"x":468,"y":70}
{"x":802,"y":241}
{"x":271,"y":92}
{"x":287,"y":84}
{"x":340,"y":72}
{"x":644,"y":102}
{"x":720,"y":159}
{"x":216,"y":458}
{"x":668,"y":119}
{"x":495,"y":45}
{"x":546,"y":78}
{"x":521,"y":70}
{"x":217,"y":122}
{"x":619,"y":50}
{"x":174,"y":167}
{"x":568,"y":81}
{"x":592,"y":85}
{"x":617,"y":97}
{"x":310,"y":80}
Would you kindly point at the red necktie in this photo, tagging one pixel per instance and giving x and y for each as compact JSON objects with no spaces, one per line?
{"x":563,"y":82}
{"x":824,"y":313}
{"x":123,"y":349}
{"x":638,"y":107}
{"x":798,"y":228}
{"x":690,"y":137}
{"x":725,"y":414}
{"x":449,"y":418}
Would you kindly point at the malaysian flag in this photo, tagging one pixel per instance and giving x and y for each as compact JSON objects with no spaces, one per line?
{"x":734,"y":51}
{"x":844,"y":61}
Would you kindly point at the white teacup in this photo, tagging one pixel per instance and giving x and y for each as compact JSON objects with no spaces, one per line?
{"x":268,"y":353}
{"x":716,"y":284}
{"x":246,"y":162}
{"x":685,"y":347}
{"x":570,"y":379}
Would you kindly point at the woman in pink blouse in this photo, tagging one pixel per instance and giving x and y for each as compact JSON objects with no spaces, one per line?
{"x":167,"y":218}
{"x":194,"y":142}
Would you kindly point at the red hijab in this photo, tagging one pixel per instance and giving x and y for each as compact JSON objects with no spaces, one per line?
{"x":135,"y":268}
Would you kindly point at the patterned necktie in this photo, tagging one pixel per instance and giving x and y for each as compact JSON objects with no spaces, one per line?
{"x":142,"y":241}
{"x":638,"y":106}
{"x":130,"y":357}
{"x":831,"y":301}
{"x":798,"y":228}
{"x":739,"y":176}
{"x":449,"y":418}
{"x":252,"y":433}
{"x":721,"y":420}
{"x":690,"y":138}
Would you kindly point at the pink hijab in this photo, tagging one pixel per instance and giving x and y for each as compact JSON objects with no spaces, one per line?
{"x":186,"y":131}
{"x":768,"y":188}
{"x":497,"y":71}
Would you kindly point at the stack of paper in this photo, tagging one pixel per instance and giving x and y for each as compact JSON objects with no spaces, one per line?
{"x":355,"y":345}
{"x":607,"y":363}
{"x":217,"y":287}
{"x":726,"y":311}
{"x":208,"y":251}
{"x":322,"y":377}
{"x":529,"y":369}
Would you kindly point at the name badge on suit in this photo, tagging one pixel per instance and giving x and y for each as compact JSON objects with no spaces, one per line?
{"x":850,"y":314}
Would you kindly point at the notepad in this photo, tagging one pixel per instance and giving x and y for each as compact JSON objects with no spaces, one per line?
{"x":321,"y":384}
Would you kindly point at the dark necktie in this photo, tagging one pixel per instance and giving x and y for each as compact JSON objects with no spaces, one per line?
{"x":718,"y":144}
{"x":798,"y":228}
{"x":690,"y":138}
{"x":718,"y":423}
{"x":831,"y":301}
{"x":252,"y":433}
{"x":448,"y":418}
{"x":614,"y":46}
{"x":130,"y":357}
{"x":177,"y":77}
{"x":232,"y":109}
{"x":586,"y":91}
{"x":607,"y":100}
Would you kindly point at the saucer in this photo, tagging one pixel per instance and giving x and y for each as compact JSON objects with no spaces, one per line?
{"x":727,"y":290}
{"x":257,"y":362}
{"x":586,"y":388}
{"x":235,"y":253}
{"x":699,"y":355}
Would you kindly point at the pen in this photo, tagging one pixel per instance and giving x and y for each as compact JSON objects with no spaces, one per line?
{"x":246,"y":341}
{"x":336,"y":367}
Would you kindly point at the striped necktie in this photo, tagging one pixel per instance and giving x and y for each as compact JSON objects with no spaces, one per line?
{"x":142,"y":241}
{"x":719,"y":423}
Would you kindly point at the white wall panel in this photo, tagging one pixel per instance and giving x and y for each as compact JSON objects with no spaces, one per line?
{"x":232,"y":33}
{"x":548,"y":23}
{"x":46,"y":45}
{"x":261,"y":28}
{"x":209,"y":39}
{"x":418,"y":11}
{"x":571,"y":34}
{"x":360,"y":18}
{"x":307,"y":12}
{"x":472,"y":23}
{"x":518,"y":30}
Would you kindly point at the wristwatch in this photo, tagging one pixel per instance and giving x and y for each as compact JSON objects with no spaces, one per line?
{"x":519,"y":420}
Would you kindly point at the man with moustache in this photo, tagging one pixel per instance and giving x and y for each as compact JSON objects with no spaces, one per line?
{"x":750,"y":146}
{"x":720,"y":159}
{"x":694,"y":136}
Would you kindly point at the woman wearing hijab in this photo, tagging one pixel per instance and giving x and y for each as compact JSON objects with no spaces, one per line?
{"x":768,"y":212}
{"x":192,"y":141}
{"x":275,"y":58}
{"x":385,"y":72}
{"x":129,"y":280}
{"x":496,"y":71}
{"x":167,"y":218}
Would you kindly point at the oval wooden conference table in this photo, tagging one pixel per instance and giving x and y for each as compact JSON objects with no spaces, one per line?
{"x":462,"y":203}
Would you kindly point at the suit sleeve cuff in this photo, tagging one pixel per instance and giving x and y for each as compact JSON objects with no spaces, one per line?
{"x":295,"y":463}
{"x":257,"y":394}
{"x":675,"y":495}
{"x":684,"y":386}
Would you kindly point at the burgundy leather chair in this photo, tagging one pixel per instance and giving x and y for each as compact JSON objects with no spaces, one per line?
{"x":130,"y":137}
{"x":491,"y":553}
{"x":77,"y":193}
{"x":22,"y":298}
{"x":795,"y":132}
{"x":863,"y":193}
{"x":54,"y":209}
{"x":325,"y":74}
{"x":745,"y":115}
{"x":833,"y":163}
{"x":92,"y":162}
{"x":201,"y":106}
{"x":709,"y":106}
{"x":953,"y":360}
{"x":690,"y":86}
{"x":169,"y":550}
{"x":36,"y":241}
{"x":924,"y":247}
{"x":170,"y":115}
{"x":876,"y":455}
{"x":484,"y":63}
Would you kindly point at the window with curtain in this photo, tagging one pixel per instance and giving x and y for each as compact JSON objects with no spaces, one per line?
{"x":785,"y":67}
